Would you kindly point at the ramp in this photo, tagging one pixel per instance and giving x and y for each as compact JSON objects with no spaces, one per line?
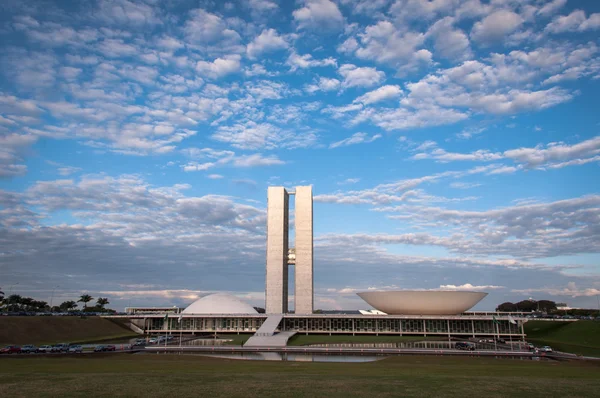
{"x":269,"y":326}
{"x":266,"y":336}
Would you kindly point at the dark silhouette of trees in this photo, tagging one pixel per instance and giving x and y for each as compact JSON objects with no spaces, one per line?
{"x":85,"y":298}
{"x":101,"y":302}
{"x":68,"y":305}
{"x":528,"y":306}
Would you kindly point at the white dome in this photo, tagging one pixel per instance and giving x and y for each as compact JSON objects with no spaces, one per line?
{"x":219,"y":303}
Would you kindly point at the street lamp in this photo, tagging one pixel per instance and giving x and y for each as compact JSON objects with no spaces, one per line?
{"x":11,"y":288}
{"x":52,"y":296}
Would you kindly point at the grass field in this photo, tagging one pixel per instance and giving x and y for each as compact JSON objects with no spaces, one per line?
{"x":57,"y":329}
{"x":408,"y":376}
{"x":581,"y":337}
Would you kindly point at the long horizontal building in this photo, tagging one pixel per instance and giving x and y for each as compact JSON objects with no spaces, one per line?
{"x":465,"y":325}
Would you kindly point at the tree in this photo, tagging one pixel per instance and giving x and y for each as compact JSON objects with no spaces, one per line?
{"x":1,"y":295}
{"x":68,"y":305}
{"x":101,"y":302}
{"x":507,"y":307}
{"x":546,"y":305}
{"x":85,"y":298}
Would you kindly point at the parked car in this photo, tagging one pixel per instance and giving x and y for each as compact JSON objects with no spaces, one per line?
{"x":463,"y":345}
{"x":110,"y":347}
{"x":29,"y":349}
{"x":62,"y":347}
{"x":99,"y":348}
{"x":546,"y":348}
{"x":10,"y":349}
{"x":153,"y":340}
{"x":77,"y":349}
{"x":530,"y":346}
{"x":45,"y":348}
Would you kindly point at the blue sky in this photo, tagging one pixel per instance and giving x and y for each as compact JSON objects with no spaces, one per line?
{"x":450,"y":145}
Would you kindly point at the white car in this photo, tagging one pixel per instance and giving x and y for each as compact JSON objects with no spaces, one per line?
{"x":546,"y":349}
{"x":153,"y":340}
{"x":76,"y":349}
{"x":45,"y":348}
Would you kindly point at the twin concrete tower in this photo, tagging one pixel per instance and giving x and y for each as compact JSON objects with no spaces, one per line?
{"x":280,"y":255}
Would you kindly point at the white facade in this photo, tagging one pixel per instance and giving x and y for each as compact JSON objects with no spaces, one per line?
{"x":276,"y":287}
{"x":279,"y":255}
{"x":304,"y":251}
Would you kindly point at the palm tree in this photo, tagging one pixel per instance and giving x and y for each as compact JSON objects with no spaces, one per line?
{"x":101,"y":302}
{"x":68,"y":305}
{"x":85,"y":298}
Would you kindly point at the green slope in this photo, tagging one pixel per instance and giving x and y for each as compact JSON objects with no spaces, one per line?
{"x":56,"y":329}
{"x":581,"y":337}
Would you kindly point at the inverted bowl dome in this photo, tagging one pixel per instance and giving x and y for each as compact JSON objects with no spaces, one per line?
{"x":422,"y":302}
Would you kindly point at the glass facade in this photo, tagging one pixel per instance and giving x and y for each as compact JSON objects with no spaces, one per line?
{"x":456,"y":326}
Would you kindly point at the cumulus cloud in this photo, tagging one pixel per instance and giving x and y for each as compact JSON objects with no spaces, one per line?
{"x":570,"y":290}
{"x":297,"y":61}
{"x":219,"y":67}
{"x":496,"y":26}
{"x":356,"y":138}
{"x":323,"y":84}
{"x":449,"y":41}
{"x":252,"y":135}
{"x":381,"y":94}
{"x":468,"y":286}
{"x":355,"y":76}
{"x":318,"y":14}
{"x":266,"y":42}
{"x":553,"y":155}
{"x":386,"y":44}
{"x":576,"y":21}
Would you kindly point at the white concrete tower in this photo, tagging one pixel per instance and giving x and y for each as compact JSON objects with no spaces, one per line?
{"x":304,"y":250}
{"x":276,"y":289}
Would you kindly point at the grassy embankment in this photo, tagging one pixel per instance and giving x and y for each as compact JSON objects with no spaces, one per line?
{"x":116,"y":375}
{"x":40,"y":330}
{"x":581,"y":337}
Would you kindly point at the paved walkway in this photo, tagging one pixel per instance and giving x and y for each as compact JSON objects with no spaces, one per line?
{"x":266,"y":335}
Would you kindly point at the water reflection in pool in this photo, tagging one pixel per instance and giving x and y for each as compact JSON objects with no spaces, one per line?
{"x":293,"y":357}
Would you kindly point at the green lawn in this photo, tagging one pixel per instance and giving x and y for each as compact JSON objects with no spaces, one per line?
{"x":123,"y":375}
{"x":40,"y":330}
{"x":581,"y":337}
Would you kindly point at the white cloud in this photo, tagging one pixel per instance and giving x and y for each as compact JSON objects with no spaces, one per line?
{"x":556,"y":154}
{"x":381,"y":94}
{"x":214,"y":176}
{"x":318,"y":14}
{"x":360,"y":76}
{"x":496,"y":26}
{"x":297,"y":61}
{"x":219,"y":67}
{"x":125,"y":12}
{"x":576,"y":21}
{"x":356,"y":138}
{"x":257,"y":160}
{"x":551,"y":7}
{"x":386,"y":44}
{"x":449,"y":41}
{"x":323,"y":84}
{"x":267,"y":41}
{"x":252,"y":135}
{"x":470,"y":287}
{"x":570,"y":290}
